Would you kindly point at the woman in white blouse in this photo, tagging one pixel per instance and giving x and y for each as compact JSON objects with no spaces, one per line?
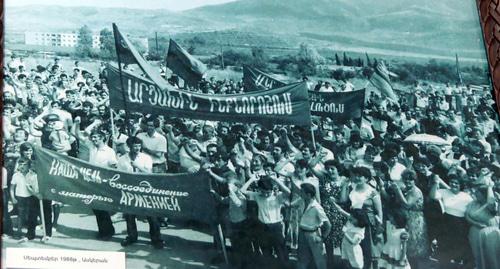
{"x":452,"y":241}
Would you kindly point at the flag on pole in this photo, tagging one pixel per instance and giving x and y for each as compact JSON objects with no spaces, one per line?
{"x":129,"y":55}
{"x":380,"y":79}
{"x":459,"y":75}
{"x":190,"y":69}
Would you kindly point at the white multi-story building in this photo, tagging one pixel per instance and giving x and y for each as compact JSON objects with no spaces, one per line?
{"x":57,"y":39}
{"x":69,"y":39}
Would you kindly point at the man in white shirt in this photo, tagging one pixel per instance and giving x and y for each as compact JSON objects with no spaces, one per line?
{"x":24,"y":186}
{"x":314,"y":229}
{"x":154,"y":145}
{"x":102,"y":155}
{"x":269,"y":205}
{"x":327,"y":87}
{"x":137,"y":162}
{"x":283,"y":166}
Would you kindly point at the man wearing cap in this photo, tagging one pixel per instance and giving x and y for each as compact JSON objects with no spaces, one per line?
{"x":314,"y":229}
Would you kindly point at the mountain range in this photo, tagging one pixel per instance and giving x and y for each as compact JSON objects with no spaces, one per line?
{"x":425,"y":24}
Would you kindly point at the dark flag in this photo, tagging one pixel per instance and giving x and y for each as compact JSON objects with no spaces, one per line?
{"x":256,"y":80}
{"x":127,"y":54}
{"x":380,"y":79}
{"x":190,"y":69}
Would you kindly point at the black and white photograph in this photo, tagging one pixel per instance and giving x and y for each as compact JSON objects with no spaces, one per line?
{"x":250,"y":134}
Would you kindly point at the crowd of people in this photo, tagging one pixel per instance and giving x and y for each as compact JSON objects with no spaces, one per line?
{"x":356,"y":194}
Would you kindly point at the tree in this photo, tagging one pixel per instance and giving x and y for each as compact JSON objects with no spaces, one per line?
{"x":368,"y":62}
{"x":194,"y":43}
{"x":259,"y":58}
{"x":337,"y":59}
{"x":360,"y":62}
{"x":345,"y":61}
{"x":307,"y":59}
{"x":84,"y":44}
{"x":107,"y":47}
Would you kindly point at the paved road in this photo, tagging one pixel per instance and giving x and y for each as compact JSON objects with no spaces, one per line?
{"x":185,"y":247}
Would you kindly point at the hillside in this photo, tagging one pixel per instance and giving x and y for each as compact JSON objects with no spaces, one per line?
{"x":434,"y":27}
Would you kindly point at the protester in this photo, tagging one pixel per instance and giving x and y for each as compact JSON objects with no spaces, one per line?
{"x":354,"y":233}
{"x":24,"y":188}
{"x":354,"y":167}
{"x":137,"y":162}
{"x":314,"y":229}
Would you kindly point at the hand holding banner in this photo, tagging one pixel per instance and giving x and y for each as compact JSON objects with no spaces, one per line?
{"x":75,"y":182}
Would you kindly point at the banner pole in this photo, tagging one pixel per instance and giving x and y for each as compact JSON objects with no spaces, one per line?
{"x":112,"y":127}
{"x":115,"y":33}
{"x":222,"y":243}
{"x":312,"y":138}
{"x":42,"y":216}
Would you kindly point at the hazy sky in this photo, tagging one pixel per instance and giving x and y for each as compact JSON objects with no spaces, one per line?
{"x":142,"y":4}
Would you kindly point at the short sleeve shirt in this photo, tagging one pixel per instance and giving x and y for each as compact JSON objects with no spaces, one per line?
{"x":454,"y":204}
{"x":157,"y":142}
{"x":22,"y":181}
{"x":313,"y":216}
{"x":103,"y":156}
{"x":269,"y":208}
{"x":142,"y":160}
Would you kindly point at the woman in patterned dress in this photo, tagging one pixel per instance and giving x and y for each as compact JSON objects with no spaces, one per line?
{"x":330,"y":187}
{"x":411,"y":202}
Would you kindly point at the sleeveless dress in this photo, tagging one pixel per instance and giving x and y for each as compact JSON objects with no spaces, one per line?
{"x":372,"y":243}
{"x":331,"y":190}
{"x":392,"y":253}
{"x":418,"y":241}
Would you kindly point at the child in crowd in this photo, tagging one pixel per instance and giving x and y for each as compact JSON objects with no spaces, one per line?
{"x":394,"y":250}
{"x":354,"y":232}
{"x":24,"y":187}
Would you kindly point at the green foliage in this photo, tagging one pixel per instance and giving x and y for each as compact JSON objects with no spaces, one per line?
{"x":107,"y":47}
{"x":285,"y":63}
{"x":195,"y":42}
{"x":84,"y":45}
{"x":259,"y":58}
{"x":343,"y":75}
{"x":231,"y":58}
{"x":337,"y":59}
{"x":437,"y":72}
{"x":307,"y":60}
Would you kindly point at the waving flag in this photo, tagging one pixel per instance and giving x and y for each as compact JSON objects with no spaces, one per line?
{"x":190,"y":69}
{"x":380,"y":79}
{"x":127,"y":54}
{"x":256,"y":80}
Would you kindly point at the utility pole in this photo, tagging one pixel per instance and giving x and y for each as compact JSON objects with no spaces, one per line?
{"x":156,"y":40}
{"x":221,"y":57}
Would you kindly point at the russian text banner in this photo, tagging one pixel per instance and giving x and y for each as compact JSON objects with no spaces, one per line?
{"x":75,"y":182}
{"x":286,"y":105}
{"x":339,"y":106}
